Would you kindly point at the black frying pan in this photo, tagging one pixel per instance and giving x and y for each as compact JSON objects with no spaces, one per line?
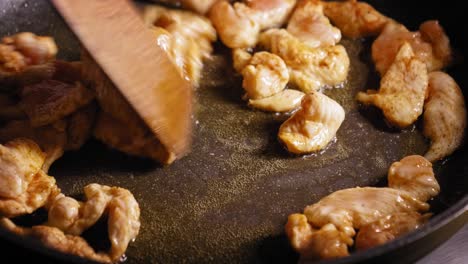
{"x":229,"y":199}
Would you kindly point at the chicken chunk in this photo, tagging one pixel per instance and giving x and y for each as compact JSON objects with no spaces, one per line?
{"x":430,"y":44}
{"x":388,"y":228}
{"x":309,"y":68}
{"x":309,"y":24}
{"x":355,"y":19}
{"x":402,"y":89}
{"x":313,"y":126}
{"x":54,"y":238}
{"x":265,"y":74}
{"x":284,"y":101}
{"x":238,"y":25}
{"x":444,"y":116}
{"x":240,"y":59}
{"x":74,"y":217}
{"x":80,"y":126}
{"x":199,"y":6}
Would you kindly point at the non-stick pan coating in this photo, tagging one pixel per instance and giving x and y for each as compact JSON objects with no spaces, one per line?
{"x":229,"y":199}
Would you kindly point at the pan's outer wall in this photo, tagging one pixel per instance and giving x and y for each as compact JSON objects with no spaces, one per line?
{"x":233,"y":193}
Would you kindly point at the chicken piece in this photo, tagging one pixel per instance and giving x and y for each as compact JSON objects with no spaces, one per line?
{"x":402,"y":89}
{"x":80,"y":126}
{"x":240,"y":59}
{"x":430,"y":44}
{"x":313,"y":126}
{"x":309,"y":68}
{"x":51,"y":138}
{"x":311,"y":26}
{"x":118,"y":125}
{"x":444,"y":116}
{"x":74,"y":217}
{"x":238,"y":25}
{"x":199,"y":6}
{"x":355,"y":19}
{"x":55,"y":239}
{"x":324,"y":243}
{"x":264,"y":75}
{"x":50,"y":101}
{"x":284,"y":101}
{"x":21,"y":56}
{"x":24,"y":187}
{"x":414,"y":174}
{"x":388,"y":228}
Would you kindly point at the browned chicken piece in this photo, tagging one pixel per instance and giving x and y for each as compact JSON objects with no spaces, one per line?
{"x":444,"y":116}
{"x":410,"y":180}
{"x":264,"y":75}
{"x":74,"y":217}
{"x":355,"y":19}
{"x":54,"y":238}
{"x":22,"y":57}
{"x":118,"y":125}
{"x":185,"y":36}
{"x":430,"y":44}
{"x":309,"y":68}
{"x":309,"y":24}
{"x":24,"y":187}
{"x":50,"y":101}
{"x":388,"y":228}
{"x":199,"y":6}
{"x":313,"y":126}
{"x":402,"y":89}
{"x":284,"y":101}
{"x":239,"y":24}
{"x":80,"y":126}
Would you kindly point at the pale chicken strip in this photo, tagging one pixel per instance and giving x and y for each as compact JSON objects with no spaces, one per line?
{"x":355,"y":19}
{"x":444,"y":116}
{"x":402,"y":89}
{"x":239,"y":24}
{"x":313,"y":126}
{"x":309,"y":24}
{"x":430,"y":44}
{"x":309,"y":68}
{"x":264,"y":75}
{"x":284,"y":101}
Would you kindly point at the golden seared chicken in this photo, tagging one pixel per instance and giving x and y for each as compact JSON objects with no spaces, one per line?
{"x":430,"y":44}
{"x":444,"y":116}
{"x":402,"y":89}
{"x":388,"y":228}
{"x":313,"y":126}
{"x":24,"y":187}
{"x":23,"y":58}
{"x":117,"y":124}
{"x":309,"y":68}
{"x":311,"y":26}
{"x":264,"y":75}
{"x":185,"y":36}
{"x":240,"y":59}
{"x":239,"y":24}
{"x":346,"y":210}
{"x":73,"y":217}
{"x":54,"y":238}
{"x":355,"y":19}
{"x":284,"y":101}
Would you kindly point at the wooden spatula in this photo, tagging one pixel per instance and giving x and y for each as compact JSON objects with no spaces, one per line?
{"x":115,"y":36}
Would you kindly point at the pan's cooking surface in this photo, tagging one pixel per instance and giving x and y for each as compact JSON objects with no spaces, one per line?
{"x":230,"y":198}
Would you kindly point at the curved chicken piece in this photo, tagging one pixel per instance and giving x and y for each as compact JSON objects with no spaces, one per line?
{"x":240,"y":59}
{"x":284,"y":101}
{"x":313,"y":126}
{"x":402,"y":89}
{"x":309,"y":68}
{"x":430,"y":44}
{"x":238,"y":25}
{"x":388,"y":228}
{"x":444,"y":116}
{"x":54,"y":238}
{"x":74,"y":217}
{"x":265,"y":74}
{"x":414,"y":175}
{"x":355,"y":19}
{"x":309,"y":24}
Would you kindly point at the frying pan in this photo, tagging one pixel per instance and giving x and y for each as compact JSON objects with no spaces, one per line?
{"x":229,"y":199}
